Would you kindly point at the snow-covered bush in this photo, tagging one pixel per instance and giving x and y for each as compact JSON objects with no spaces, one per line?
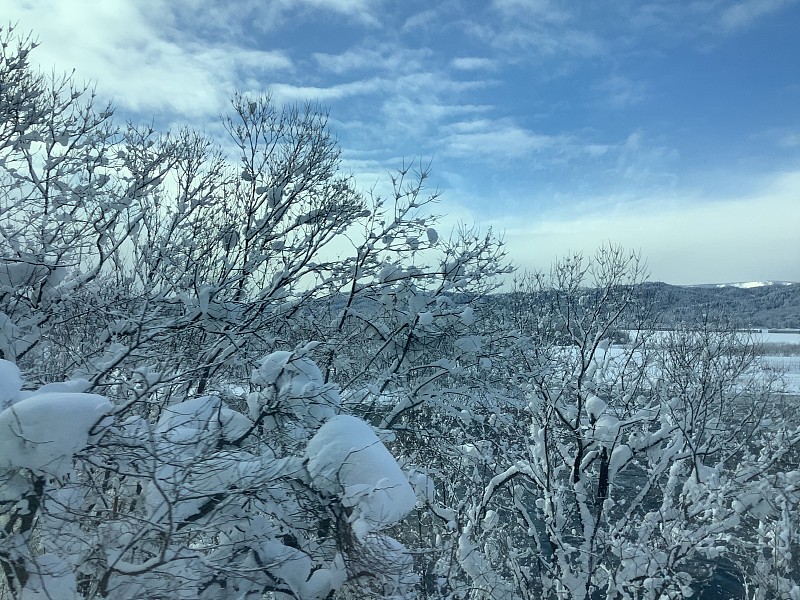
{"x":625,"y":471}
{"x":198,"y":502}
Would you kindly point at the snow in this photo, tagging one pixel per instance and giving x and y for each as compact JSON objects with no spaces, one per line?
{"x":425,"y":318}
{"x":43,"y":432}
{"x":470,"y":344}
{"x":397,"y":570}
{"x":13,"y":486}
{"x":52,"y":578}
{"x":595,"y":407}
{"x":467,"y":316}
{"x":299,"y":384}
{"x":9,"y":335}
{"x":606,"y":430}
{"x":619,"y":458}
{"x":346,"y":459}
{"x":778,"y":336}
{"x":752,"y":503}
{"x":294,"y":567}
{"x":72,"y":386}
{"x":207,"y":414}
{"x":390,"y":272}
{"x":472,"y":560}
{"x":787,"y":368}
{"x":490,"y":520}
{"x":424,"y":486}
{"x":752,"y":284}
{"x":18,"y":273}
{"x":10,"y":384}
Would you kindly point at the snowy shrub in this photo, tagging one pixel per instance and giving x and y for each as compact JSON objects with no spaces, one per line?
{"x":195,"y":503}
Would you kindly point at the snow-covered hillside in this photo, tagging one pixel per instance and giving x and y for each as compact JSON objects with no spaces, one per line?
{"x":746,"y":284}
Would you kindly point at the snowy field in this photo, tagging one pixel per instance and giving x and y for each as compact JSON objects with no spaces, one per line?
{"x":768,"y":337}
{"x":782,"y":354}
{"x":781,"y":350}
{"x":780,"y":336}
{"x":789,"y":369}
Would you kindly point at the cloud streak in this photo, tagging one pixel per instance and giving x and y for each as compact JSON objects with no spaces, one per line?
{"x":683,"y":242}
{"x":483,"y":139}
{"x":473,"y":63}
{"x":136,"y":62}
{"x":743,"y":14}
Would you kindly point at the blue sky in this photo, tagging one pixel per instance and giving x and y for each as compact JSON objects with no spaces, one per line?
{"x":670,"y":127}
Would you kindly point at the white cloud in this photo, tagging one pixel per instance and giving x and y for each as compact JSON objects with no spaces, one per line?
{"x":137,"y":59}
{"x":702,"y":23}
{"x":525,"y":29}
{"x":285,"y":93}
{"x":364,"y":11}
{"x":743,"y":14}
{"x":751,"y":238}
{"x":473,"y":63}
{"x":493,"y":139}
{"x":429,"y":112}
{"x":272,"y":14}
{"x":642,"y":160}
{"x":181,"y":60}
{"x":401,"y":110}
{"x":384,"y":58}
{"x":620,"y":92}
{"x":519,"y":40}
{"x":790,"y":139}
{"x":538,"y":10}
{"x":421,"y":20}
{"x":352,"y":60}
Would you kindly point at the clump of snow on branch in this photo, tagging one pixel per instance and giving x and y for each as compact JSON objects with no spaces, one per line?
{"x":10,"y":384}
{"x":53,"y":578}
{"x":42,"y":432}
{"x":293,"y":384}
{"x":346,"y":459}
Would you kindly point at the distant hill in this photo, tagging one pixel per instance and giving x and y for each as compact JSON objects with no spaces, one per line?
{"x":742,"y":306}
{"x":770,"y":304}
{"x":743,"y":284}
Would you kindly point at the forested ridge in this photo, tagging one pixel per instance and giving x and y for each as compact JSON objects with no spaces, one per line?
{"x":770,"y":306}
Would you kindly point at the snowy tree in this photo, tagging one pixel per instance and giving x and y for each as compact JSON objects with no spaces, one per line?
{"x":626,"y":470}
{"x":166,"y":430}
